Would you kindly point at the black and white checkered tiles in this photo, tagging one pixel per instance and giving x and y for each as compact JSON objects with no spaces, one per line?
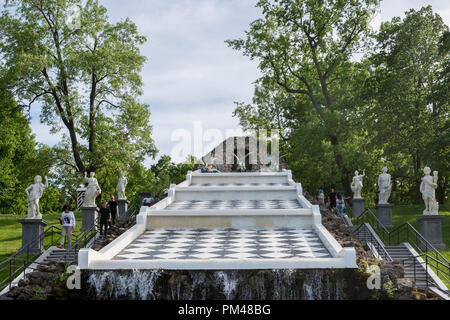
{"x":240,"y":184}
{"x":234,"y":204}
{"x":225,"y":244}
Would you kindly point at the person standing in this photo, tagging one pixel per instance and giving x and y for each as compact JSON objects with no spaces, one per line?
{"x":67,"y":221}
{"x":112,"y":205}
{"x":340,"y":205}
{"x":105,"y":216}
{"x":332,"y":199}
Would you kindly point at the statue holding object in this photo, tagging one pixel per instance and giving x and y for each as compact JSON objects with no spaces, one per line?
{"x":357,"y":184}
{"x":34,"y":193}
{"x":92,"y":190}
{"x":428,"y":189}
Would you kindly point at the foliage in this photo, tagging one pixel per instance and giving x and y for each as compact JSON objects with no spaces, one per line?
{"x":19,"y":154}
{"x":304,"y":47}
{"x":85,"y":77}
{"x":338,"y":112}
{"x":404,"y":110}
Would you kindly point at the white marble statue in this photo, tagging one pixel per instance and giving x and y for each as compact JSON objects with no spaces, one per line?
{"x":121,"y":186}
{"x":92,"y":190}
{"x":428,"y":189}
{"x":34,"y":193}
{"x":384,"y":186}
{"x":357,"y":184}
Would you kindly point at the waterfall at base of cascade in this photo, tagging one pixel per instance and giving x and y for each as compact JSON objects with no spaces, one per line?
{"x":283,"y":284}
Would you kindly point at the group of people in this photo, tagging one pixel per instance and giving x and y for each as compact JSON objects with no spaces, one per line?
{"x":335,"y":200}
{"x":108,"y":214}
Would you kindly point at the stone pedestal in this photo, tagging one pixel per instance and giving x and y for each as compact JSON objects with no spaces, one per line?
{"x":431,"y":230}
{"x":88,"y":218}
{"x":122,"y":208}
{"x":358,"y":206}
{"x":384,"y":214}
{"x":32,"y":229}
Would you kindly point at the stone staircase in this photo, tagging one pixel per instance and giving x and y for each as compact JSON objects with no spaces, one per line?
{"x":413,"y":267}
{"x":226,"y":221}
{"x":233,"y":200}
{"x":61,"y":255}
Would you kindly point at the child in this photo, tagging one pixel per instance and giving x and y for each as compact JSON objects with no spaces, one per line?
{"x":67,"y":221}
{"x":105,"y":216}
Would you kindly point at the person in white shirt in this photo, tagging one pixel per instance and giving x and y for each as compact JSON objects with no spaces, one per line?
{"x":68,"y":224}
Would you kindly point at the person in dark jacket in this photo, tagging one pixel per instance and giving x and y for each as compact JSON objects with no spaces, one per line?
{"x":105,"y":216}
{"x":112,"y":205}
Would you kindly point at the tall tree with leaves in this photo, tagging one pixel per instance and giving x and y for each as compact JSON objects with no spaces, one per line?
{"x":19,"y":154}
{"x":305,"y":47}
{"x":408,"y":105}
{"x":84,"y":72}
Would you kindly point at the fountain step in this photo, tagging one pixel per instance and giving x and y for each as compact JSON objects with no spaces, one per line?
{"x":235,"y":193}
{"x":224,"y":248}
{"x":240,"y":178}
{"x":223,"y":221}
{"x":233,"y":204}
{"x":253,"y":184}
{"x":216,"y":218}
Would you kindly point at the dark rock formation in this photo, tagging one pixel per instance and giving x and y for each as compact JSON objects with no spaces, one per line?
{"x":238,"y":146}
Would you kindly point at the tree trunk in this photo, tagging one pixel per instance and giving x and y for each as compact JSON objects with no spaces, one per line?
{"x":417,"y":166}
{"x":345,"y":179}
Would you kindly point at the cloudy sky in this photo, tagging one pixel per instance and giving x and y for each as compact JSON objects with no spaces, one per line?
{"x":191,"y":74}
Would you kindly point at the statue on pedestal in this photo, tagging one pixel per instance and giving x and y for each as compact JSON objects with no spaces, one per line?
{"x":121,"y":186}
{"x":357,"y":184}
{"x":92,"y":190}
{"x":428,"y":189}
{"x":384,"y":186}
{"x":34,"y":193}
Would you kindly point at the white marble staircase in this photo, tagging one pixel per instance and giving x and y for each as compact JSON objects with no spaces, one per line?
{"x":226,"y":221}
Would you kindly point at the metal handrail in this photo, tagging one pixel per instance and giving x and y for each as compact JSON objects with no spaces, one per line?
{"x":440,"y":268}
{"x":23,"y":254}
{"x":422,"y":245}
{"x":374,"y":241}
{"x":412,"y":232}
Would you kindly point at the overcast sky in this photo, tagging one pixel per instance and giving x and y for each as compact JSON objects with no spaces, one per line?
{"x":191,"y":74}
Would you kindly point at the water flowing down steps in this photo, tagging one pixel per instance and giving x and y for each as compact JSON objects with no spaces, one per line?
{"x":226,"y":221}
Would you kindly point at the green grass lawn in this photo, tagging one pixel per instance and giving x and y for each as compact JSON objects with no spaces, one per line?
{"x":11,"y":231}
{"x":409,"y":213}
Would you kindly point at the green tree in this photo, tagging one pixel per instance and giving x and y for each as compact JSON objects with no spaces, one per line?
{"x":305,"y":47}
{"x":19,"y":154}
{"x":85,"y":77}
{"x":407,"y":107}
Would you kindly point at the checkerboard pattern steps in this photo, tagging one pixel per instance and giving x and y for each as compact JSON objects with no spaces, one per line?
{"x":240,"y":184}
{"x":234,"y":204}
{"x":198,"y":244}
